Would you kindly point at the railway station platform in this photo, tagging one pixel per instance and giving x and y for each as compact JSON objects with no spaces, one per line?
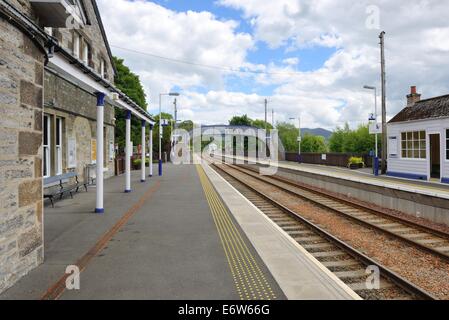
{"x":420,"y":199}
{"x":187,"y":235}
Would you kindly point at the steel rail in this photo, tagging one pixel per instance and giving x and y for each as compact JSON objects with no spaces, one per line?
{"x":356,"y":254}
{"x":423,"y":247}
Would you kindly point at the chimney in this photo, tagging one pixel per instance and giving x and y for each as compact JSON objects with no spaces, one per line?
{"x":413,"y":97}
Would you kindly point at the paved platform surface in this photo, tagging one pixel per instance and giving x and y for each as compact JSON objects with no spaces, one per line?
{"x":163,"y":242}
{"x":438,"y":190}
{"x":298,"y":273}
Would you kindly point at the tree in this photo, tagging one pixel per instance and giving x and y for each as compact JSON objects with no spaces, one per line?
{"x":166,"y":136}
{"x":129,"y":83}
{"x":240,"y":121}
{"x":345,"y":140}
{"x":261,"y":124}
{"x":338,"y":138}
{"x":312,"y":143}
{"x":186,"y":125}
{"x":288,"y":134}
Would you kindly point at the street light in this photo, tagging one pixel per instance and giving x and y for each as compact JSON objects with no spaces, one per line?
{"x":376,"y":157}
{"x":299,"y":138}
{"x":171,"y":94}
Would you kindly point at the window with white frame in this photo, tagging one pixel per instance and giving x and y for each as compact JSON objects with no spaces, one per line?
{"x":86,"y":51}
{"x":46,"y":147}
{"x":76,"y":45}
{"x":102,"y":68}
{"x":447,"y":144}
{"x":414,"y":145}
{"x":58,"y":146}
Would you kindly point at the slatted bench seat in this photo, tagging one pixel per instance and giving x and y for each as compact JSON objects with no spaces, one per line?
{"x":60,"y":185}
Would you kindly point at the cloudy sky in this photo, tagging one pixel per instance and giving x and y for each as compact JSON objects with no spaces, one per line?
{"x":308,"y":57}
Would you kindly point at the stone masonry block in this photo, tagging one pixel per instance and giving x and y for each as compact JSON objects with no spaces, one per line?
{"x":29,"y":143}
{"x":30,"y":192}
{"x":30,"y":94}
{"x":29,"y":241}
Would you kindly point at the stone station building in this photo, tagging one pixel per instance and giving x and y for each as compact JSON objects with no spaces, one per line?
{"x":56,"y":80}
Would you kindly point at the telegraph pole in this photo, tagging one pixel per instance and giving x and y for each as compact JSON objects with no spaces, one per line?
{"x":266,"y":115}
{"x":384,"y":108}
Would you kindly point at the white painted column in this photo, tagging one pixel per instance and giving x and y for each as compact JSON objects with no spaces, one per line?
{"x":143,"y":176}
{"x":151,"y":150}
{"x":128,"y":152}
{"x":99,"y":208}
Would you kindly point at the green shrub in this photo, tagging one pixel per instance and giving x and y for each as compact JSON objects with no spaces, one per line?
{"x":356,"y":161}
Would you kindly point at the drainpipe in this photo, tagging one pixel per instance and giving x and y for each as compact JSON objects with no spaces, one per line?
{"x":128,"y":152}
{"x":100,"y":156}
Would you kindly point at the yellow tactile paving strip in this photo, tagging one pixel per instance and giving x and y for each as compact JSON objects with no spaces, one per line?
{"x":250,"y":281}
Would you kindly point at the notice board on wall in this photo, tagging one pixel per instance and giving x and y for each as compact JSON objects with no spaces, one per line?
{"x":393,"y":146}
{"x":71,"y":153}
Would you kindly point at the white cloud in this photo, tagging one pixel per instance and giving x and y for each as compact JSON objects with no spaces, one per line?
{"x":416,"y":51}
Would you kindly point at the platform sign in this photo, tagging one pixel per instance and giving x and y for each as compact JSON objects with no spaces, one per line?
{"x":375,"y":128}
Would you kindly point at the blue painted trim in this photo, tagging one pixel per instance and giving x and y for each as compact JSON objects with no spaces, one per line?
{"x":127,"y":191}
{"x":99,"y":211}
{"x":407,"y":175}
{"x":144,"y":123}
{"x":151,"y":127}
{"x":100,"y":98}
{"x":444,"y":180}
{"x":128,"y":115}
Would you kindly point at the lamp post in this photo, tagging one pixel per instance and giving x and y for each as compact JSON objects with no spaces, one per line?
{"x":376,"y":156}
{"x":172,"y":94}
{"x":299,"y":138}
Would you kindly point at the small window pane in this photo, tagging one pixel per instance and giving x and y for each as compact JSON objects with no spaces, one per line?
{"x":416,"y":154}
{"x":423,"y":154}
{"x":58,"y":131}
{"x":45,"y":130}
{"x":409,"y":153}
{"x":416,"y":135}
{"x":416,"y":145}
{"x":423,"y":145}
{"x":404,"y":153}
{"x":404,"y":136}
{"x":409,"y":145}
{"x":409,"y":135}
{"x":404,"y":144}
{"x":422,"y":135}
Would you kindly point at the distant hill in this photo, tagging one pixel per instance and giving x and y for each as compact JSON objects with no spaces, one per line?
{"x":317,"y":132}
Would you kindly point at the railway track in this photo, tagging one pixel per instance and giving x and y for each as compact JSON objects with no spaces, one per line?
{"x":347,"y":263}
{"x":424,"y":238}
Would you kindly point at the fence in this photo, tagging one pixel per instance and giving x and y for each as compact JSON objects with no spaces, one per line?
{"x":328,"y":159}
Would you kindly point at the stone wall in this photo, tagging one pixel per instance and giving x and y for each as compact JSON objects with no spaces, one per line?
{"x":92,"y":34}
{"x":77,"y":108}
{"x":21,"y":80}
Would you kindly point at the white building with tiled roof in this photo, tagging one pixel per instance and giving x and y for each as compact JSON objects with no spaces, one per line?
{"x":418,"y":139}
